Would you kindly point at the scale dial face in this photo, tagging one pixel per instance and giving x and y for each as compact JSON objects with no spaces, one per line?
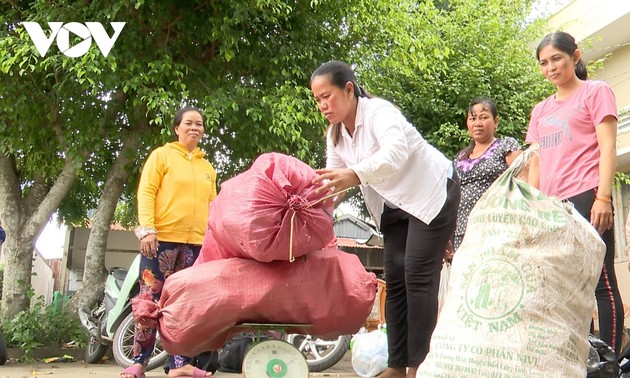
{"x":274,"y":359}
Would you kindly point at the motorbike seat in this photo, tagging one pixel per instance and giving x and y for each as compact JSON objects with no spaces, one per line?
{"x":119,"y":275}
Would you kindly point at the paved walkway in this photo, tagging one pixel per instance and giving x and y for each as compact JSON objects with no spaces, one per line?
{"x":111,"y":370}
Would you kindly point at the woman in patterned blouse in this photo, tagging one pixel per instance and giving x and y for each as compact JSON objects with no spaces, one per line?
{"x":479,"y":164}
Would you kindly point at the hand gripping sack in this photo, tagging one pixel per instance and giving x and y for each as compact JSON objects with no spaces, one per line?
{"x":521,"y":292}
{"x":270,"y":212}
{"x":199,"y":306}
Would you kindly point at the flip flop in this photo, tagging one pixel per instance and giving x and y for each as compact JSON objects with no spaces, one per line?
{"x":198,"y":373}
{"x":135,"y":370}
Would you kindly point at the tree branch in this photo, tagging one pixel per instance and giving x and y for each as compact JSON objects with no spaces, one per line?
{"x":10,"y":199}
{"x":36,"y":194}
{"x":53,"y":198}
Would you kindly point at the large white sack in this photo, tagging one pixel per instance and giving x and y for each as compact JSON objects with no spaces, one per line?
{"x":521,"y":292}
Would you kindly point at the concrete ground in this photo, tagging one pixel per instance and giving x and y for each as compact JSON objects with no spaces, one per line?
{"x":110,"y":369}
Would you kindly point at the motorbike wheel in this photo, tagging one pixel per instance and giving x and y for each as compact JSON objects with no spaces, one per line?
{"x":320,"y":354}
{"x":4,"y":352}
{"x":122,"y":346}
{"x":95,"y":350}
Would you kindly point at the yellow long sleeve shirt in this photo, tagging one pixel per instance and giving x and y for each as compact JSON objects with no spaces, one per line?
{"x":175,"y":191}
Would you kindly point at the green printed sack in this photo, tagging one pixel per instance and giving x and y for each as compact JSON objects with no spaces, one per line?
{"x":521,"y":292}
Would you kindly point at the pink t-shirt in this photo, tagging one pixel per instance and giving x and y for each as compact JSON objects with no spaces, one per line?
{"x":565,"y":130}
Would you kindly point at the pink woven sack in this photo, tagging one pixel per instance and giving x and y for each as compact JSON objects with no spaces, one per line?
{"x":270,"y":212}
{"x":210,"y":249}
{"x":329,"y":289}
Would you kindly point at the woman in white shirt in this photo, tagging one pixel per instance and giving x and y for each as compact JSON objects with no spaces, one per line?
{"x":412,"y":193}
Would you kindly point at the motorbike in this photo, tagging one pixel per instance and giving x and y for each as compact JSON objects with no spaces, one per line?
{"x":601,"y":362}
{"x":323,"y":354}
{"x":320,"y":354}
{"x":111,"y":324}
{"x":624,"y":363}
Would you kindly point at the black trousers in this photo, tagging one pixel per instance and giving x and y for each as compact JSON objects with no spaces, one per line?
{"x":609,"y":304}
{"x":413,"y":253}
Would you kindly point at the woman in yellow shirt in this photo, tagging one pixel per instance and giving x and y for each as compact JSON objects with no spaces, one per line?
{"x":176,"y":187}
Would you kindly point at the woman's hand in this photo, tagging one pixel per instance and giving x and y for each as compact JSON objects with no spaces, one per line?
{"x":449,"y":252}
{"x":149,"y":246}
{"x":601,"y":215}
{"x":336,"y":180}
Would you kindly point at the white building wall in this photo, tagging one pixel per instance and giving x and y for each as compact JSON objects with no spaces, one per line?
{"x":75,"y":278}
{"x":42,"y":279}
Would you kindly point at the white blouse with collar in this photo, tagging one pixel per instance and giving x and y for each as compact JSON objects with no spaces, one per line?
{"x":392,"y":160}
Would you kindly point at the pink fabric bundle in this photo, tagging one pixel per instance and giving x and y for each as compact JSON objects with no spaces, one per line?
{"x":260,"y":220}
{"x":269,"y":213}
{"x":329,"y":289}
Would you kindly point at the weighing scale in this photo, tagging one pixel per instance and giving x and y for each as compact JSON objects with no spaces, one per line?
{"x":273,"y":358}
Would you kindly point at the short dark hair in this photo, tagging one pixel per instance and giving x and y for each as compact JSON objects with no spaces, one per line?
{"x":177,"y":119}
{"x":487,"y":104}
{"x":564,"y":42}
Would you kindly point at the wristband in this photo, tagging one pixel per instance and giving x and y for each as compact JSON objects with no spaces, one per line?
{"x":142,"y":232}
{"x":603,"y":199}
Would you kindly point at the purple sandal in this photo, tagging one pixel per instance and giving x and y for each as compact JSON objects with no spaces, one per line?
{"x":135,"y":370}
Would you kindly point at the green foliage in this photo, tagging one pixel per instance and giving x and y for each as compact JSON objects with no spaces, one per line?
{"x":126,"y":213}
{"x":42,"y":326}
{"x":442,"y":57}
{"x":247,"y":65}
{"x":621,"y":179}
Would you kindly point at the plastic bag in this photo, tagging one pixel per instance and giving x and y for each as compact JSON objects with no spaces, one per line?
{"x":369,"y":353}
{"x":444,"y":276}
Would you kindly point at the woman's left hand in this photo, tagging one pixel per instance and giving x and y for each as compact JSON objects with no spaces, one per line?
{"x":601,"y":215}
{"x":449,"y":252}
{"x":337,"y":179}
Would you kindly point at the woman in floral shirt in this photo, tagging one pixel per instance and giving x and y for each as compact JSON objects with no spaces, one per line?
{"x":479,"y":164}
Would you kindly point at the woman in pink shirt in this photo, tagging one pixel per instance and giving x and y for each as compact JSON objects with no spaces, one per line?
{"x":576,"y":129}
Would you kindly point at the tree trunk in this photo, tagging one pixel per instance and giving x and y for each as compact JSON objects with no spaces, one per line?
{"x":95,"y":272}
{"x":23,"y":219}
{"x":17,"y":275}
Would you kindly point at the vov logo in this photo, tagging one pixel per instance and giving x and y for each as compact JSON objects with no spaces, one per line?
{"x":62,"y":31}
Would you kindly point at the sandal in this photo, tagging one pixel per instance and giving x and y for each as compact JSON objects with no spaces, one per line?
{"x":198,"y":373}
{"x":135,"y":370}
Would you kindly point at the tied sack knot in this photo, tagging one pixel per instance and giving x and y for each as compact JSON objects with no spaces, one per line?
{"x":297,"y":203}
{"x":146,"y":312}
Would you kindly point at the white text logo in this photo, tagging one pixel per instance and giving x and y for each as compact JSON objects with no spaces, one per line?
{"x":62,"y":33}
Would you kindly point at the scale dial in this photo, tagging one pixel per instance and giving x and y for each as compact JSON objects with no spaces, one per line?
{"x":274,"y":359}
